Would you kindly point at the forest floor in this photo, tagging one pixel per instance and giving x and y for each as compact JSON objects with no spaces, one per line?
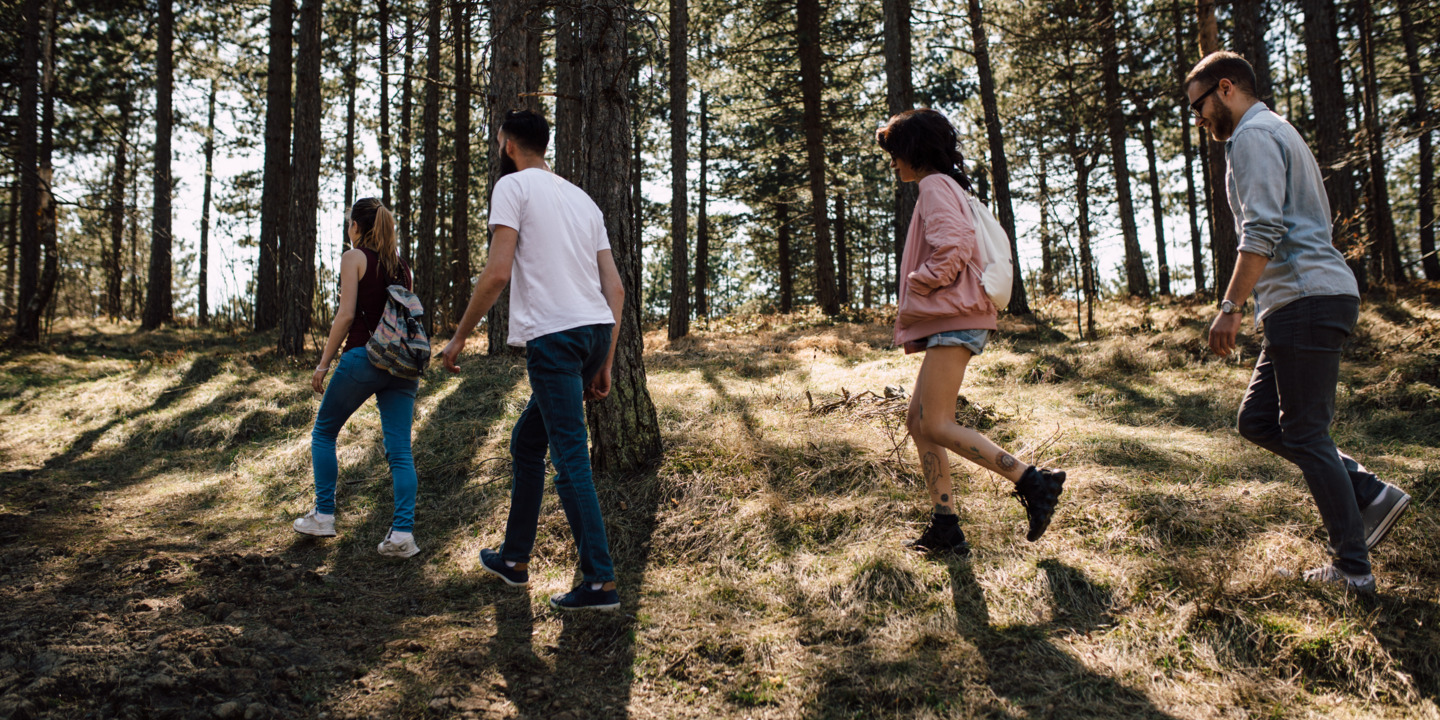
{"x":148,"y":568}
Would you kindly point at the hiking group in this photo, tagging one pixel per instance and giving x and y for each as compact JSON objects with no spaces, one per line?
{"x":550,"y":245}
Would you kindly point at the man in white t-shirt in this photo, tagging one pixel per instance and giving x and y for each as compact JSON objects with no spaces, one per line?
{"x":550,"y":245}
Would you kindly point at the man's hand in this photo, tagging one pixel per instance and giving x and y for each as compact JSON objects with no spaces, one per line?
{"x":599,"y":386}
{"x":1222,"y":333}
{"x":451,"y":353}
{"x":317,"y":381}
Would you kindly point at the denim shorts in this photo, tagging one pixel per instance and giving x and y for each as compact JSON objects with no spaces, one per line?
{"x":973,"y":340}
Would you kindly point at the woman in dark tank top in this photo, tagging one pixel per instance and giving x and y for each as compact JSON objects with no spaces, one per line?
{"x":366,"y":271}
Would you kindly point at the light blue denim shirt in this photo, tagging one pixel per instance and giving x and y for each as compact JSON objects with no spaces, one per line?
{"x":1281,"y":212}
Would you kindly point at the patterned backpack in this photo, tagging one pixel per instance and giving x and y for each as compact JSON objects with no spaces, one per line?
{"x":399,"y":344}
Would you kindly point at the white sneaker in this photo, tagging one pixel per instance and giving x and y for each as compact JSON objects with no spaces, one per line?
{"x":402,"y":547}
{"x":1331,"y":575}
{"x":312,"y":525}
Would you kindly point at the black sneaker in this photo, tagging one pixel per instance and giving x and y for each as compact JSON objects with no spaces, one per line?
{"x":1380,"y":515}
{"x":583,"y":598}
{"x":1039,"y":490}
{"x":491,"y":562}
{"x":940,"y":538}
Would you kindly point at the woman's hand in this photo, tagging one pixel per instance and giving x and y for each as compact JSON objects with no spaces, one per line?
{"x":317,"y":381}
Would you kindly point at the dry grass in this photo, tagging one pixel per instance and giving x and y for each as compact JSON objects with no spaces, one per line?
{"x":760,"y":563}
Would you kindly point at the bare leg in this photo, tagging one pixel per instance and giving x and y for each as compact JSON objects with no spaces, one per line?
{"x":931,"y":421}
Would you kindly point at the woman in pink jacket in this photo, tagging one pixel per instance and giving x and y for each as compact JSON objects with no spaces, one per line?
{"x":943,"y":311}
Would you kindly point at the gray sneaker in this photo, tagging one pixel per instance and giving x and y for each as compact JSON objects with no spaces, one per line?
{"x":1381,"y":514}
{"x":1363,"y":584}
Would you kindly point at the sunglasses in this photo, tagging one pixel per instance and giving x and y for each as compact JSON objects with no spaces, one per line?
{"x":1200,"y":101}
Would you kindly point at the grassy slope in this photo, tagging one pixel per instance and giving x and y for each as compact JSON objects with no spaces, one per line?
{"x":144,"y":504}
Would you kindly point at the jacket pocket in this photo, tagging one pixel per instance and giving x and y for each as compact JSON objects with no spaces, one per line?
{"x":964,"y":297}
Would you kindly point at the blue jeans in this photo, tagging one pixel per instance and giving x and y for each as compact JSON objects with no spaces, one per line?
{"x":559,"y":365}
{"x":1288,"y":408}
{"x":352,"y":383}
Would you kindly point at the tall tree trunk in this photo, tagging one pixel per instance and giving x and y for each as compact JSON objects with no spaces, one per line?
{"x":159,"y":305}
{"x":702,"y":218}
{"x":1421,"y":120}
{"x":624,"y":429}
{"x":136,"y":298}
{"x":999,"y":166}
{"x":1223,"y":241}
{"x":426,"y":232}
{"x":382,"y":8}
{"x":1323,"y":62}
{"x":842,"y":252}
{"x":114,"y":306}
{"x":899,"y":97}
{"x":1082,"y":162}
{"x":1136,"y":280}
{"x":460,"y":217}
{"x":404,"y":204}
{"x":1386,"y":259}
{"x":12,"y":249}
{"x":507,"y":81}
{"x":679,"y":161}
{"x":782,"y":237}
{"x":275,"y":199}
{"x":1250,"y":27}
{"x":1047,"y":240}
{"x":49,"y":227}
{"x":534,"y":55}
{"x":203,"y":298}
{"x":305,"y":183}
{"x":1182,"y":67}
{"x":1157,"y":205}
{"x":807,"y":19}
{"x":353,"y":30}
{"x":27,"y":322}
{"x":568,"y":119}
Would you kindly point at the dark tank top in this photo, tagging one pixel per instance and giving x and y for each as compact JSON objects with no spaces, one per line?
{"x":370,"y":298}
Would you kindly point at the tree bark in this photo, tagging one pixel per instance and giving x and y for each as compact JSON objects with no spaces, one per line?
{"x":679,"y":161}
{"x":1156,"y":205}
{"x":1223,"y":241}
{"x":305,"y":183}
{"x":203,"y":298}
{"x":1421,"y":120}
{"x":159,"y":304}
{"x":1385,"y":261}
{"x":114,"y":306}
{"x":702,"y":218}
{"x":404,"y":203}
{"x":1136,"y":280}
{"x":999,"y":166}
{"x":1250,"y":27}
{"x":1047,"y":241}
{"x":1083,"y":164}
{"x":899,"y":97}
{"x":275,"y":198}
{"x":807,"y":18}
{"x":350,"y":82}
{"x":426,"y":232}
{"x":460,"y":217}
{"x":1323,"y":62}
{"x":624,"y":429}
{"x":568,"y":120}
{"x":508,"y":45}
{"x":782,"y":238}
{"x":1182,"y":67}
{"x":27,"y":322}
{"x":842,"y":252}
{"x":382,"y":8}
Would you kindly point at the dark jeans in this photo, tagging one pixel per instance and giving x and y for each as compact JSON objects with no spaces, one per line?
{"x":559,"y":365}
{"x":1288,"y":408}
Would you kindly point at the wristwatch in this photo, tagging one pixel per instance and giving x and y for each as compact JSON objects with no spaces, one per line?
{"x":1229,"y":308}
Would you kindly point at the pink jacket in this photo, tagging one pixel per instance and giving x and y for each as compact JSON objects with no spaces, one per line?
{"x":940,"y":287}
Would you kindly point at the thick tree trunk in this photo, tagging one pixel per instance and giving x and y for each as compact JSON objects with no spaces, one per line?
{"x":1385,"y":262}
{"x":159,"y":304}
{"x":1421,"y":120}
{"x":899,"y":97}
{"x":624,"y":429}
{"x":999,"y":166}
{"x":1156,"y":205}
{"x":568,"y":119}
{"x":508,"y":41}
{"x":1136,"y":280}
{"x":114,"y":270}
{"x":782,"y":237}
{"x":350,"y":82}
{"x":203,"y":292}
{"x":382,"y":8}
{"x":534,"y":55}
{"x":842,"y":251}
{"x":12,"y":249}
{"x":1223,"y":241}
{"x":305,"y":183}
{"x":275,"y":199}
{"x":1182,"y":67}
{"x":702,"y":218}
{"x":1323,"y":62}
{"x":427,"y":231}
{"x":1047,"y":241}
{"x":807,"y":18}
{"x":404,"y":203}
{"x":679,"y":161}
{"x":460,"y":210}
{"x":27,"y":321}
{"x":1250,"y":27}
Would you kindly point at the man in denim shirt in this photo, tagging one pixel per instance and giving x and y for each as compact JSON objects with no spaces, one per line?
{"x":1306,"y":297}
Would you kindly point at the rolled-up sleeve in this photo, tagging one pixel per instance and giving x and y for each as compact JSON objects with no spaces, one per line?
{"x":951,"y":235}
{"x":1257,"y":170}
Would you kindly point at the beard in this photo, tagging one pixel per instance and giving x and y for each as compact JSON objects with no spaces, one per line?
{"x":1222,"y":126}
{"x":507,"y":164}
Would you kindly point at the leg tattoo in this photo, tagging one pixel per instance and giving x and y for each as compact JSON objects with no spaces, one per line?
{"x":931,"y":463}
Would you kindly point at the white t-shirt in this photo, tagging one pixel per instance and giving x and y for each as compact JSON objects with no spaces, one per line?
{"x":555,"y":281}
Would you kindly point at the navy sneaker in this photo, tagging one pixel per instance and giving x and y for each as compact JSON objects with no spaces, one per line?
{"x":491,"y":562}
{"x":583,"y":598}
{"x":1039,"y":491}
